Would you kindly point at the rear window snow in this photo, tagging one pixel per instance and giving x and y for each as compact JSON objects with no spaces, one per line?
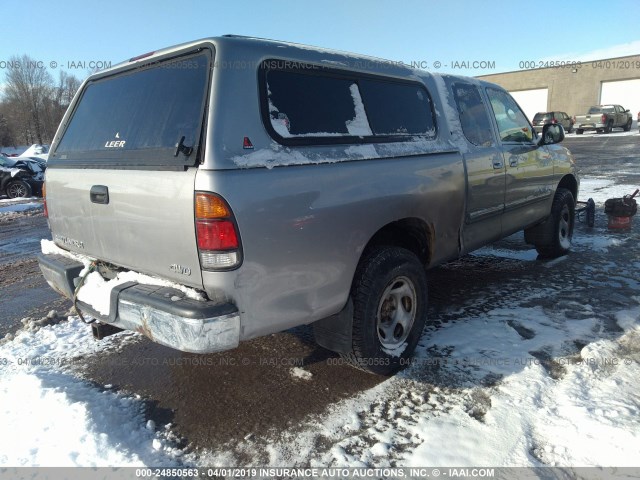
{"x":322,"y":103}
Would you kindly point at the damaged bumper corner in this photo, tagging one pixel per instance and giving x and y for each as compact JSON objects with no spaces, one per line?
{"x":163,"y":314}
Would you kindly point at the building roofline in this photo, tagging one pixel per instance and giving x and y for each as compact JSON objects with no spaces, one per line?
{"x":581,"y":62}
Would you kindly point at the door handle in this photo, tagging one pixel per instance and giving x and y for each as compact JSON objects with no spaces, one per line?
{"x":99,"y":194}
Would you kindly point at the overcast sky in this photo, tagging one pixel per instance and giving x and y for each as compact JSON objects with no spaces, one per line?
{"x":458,"y":34}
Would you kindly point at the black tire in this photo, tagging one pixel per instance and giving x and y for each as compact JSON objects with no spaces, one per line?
{"x":627,"y":127}
{"x":18,"y":189}
{"x":609,"y":127}
{"x":579,"y":131}
{"x":389,"y":295}
{"x":553,"y":238}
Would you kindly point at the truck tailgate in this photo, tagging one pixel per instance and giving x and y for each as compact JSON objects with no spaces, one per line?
{"x":147,"y":224}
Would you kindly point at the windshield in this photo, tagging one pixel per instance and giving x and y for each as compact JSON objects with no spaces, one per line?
{"x":141,"y":114}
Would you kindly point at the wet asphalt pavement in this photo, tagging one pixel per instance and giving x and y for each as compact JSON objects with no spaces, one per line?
{"x":222,"y":399}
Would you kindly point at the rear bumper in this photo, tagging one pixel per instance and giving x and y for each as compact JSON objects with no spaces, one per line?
{"x":589,"y":126}
{"x":163,"y":314}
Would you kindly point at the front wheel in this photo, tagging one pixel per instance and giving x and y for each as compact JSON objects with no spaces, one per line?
{"x":389,"y":296}
{"x":18,"y":189}
{"x":627,"y":127}
{"x":553,"y":238}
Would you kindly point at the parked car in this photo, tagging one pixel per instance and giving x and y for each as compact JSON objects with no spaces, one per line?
{"x":306,"y":187}
{"x":604,"y":118}
{"x":21,"y":177}
{"x":540,"y":119}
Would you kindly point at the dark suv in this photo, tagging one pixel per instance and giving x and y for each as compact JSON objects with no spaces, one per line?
{"x":542,"y":118}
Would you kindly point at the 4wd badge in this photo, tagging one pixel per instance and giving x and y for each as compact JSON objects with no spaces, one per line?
{"x":180,"y":269}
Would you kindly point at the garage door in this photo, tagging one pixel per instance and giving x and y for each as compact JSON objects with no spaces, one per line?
{"x":623,"y":92}
{"x":532,"y":101}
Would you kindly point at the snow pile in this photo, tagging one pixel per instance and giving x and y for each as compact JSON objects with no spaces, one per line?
{"x":301,"y":373}
{"x":96,"y":291}
{"x":57,"y":420}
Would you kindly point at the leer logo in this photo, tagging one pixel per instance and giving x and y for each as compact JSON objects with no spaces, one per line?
{"x":115,"y":143}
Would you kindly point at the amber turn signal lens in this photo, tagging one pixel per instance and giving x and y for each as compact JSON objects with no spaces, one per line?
{"x":44,"y":199}
{"x":211,"y":206}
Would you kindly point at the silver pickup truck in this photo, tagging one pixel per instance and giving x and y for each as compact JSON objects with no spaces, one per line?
{"x":603,"y":119}
{"x":233,"y":187}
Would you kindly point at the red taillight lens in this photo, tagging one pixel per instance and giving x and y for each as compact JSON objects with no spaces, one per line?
{"x":44,"y":200}
{"x":603,"y":119}
{"x":216,"y":235}
{"x":554,"y":121}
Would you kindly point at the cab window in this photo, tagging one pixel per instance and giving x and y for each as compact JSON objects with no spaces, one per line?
{"x":473,"y":115}
{"x":512,"y":122}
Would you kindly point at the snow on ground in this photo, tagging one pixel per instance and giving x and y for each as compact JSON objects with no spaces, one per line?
{"x":500,"y":379}
{"x":20,"y":207}
{"x":615,"y":133}
{"x":64,"y":421}
{"x":601,"y":189}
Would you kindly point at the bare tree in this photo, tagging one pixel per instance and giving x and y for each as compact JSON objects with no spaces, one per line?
{"x":33,"y":104}
{"x":7,"y":137}
{"x":28,"y":83}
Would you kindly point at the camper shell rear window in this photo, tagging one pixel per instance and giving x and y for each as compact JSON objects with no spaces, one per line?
{"x":138,"y":117}
{"x":313,"y":105}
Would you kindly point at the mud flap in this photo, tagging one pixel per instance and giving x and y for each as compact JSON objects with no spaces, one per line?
{"x":537,"y":234}
{"x":335,"y":332}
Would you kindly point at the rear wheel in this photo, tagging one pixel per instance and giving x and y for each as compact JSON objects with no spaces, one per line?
{"x":390,"y":304}
{"x":579,"y":131}
{"x":609,"y":127}
{"x":553,"y":237}
{"x":18,"y":189}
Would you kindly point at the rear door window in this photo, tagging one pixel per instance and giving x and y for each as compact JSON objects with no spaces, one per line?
{"x":140,"y":115}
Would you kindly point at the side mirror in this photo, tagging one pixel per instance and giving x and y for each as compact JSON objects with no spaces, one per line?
{"x":551,"y":133}
{"x":627,"y":111}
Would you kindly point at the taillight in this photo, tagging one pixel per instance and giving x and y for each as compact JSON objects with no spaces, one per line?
{"x":554,"y":121}
{"x":216,"y":233}
{"x":603,"y":118}
{"x":44,"y":199}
